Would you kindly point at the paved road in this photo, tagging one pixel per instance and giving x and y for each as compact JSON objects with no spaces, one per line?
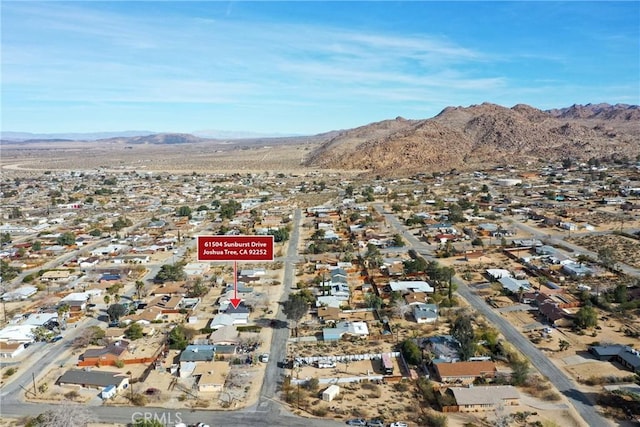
{"x":559,"y":240}
{"x":535,"y":356}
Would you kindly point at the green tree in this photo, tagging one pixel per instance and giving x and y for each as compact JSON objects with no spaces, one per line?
{"x":398,"y":241}
{"x":564,"y":344}
{"x":228,"y":210}
{"x":5,"y":238}
{"x":477,"y":242}
{"x":373,"y":301}
{"x":586,"y":317}
{"x":116,"y":311}
{"x":455,"y":213}
{"x":411,"y":352}
{"x":107,"y":299}
{"x":295,"y":308}
{"x":67,"y":238}
{"x":139,"y":288}
{"x":620,"y":293}
{"x":606,"y":257}
{"x":197,"y":289}
{"x":37,"y":245}
{"x":7,"y":272}
{"x":519,"y":371}
{"x":280,"y":235}
{"x":462,"y":330}
{"x":179,"y":337}
{"x":134,"y":331}
{"x":170,"y":273}
{"x":184,"y":211}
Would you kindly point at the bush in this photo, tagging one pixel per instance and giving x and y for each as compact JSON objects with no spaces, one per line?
{"x":72,"y":395}
{"x":9,"y":372}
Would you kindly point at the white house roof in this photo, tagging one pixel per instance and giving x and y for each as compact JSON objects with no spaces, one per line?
{"x":21,"y":333}
{"x":39,"y":319}
{"x":414,"y":286}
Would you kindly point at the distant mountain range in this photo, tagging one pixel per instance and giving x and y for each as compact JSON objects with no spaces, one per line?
{"x":95,"y":136}
{"x":478,"y":136}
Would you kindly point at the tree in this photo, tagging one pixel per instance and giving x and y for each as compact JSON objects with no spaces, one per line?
{"x":564,"y":344}
{"x":179,"y":337}
{"x":116,"y":311}
{"x":197,"y":289}
{"x":280,"y":235}
{"x":107,"y":299}
{"x":66,"y":239}
{"x":228,"y":210}
{"x":139,"y":288}
{"x":586,"y":317}
{"x":477,"y":242}
{"x":318,"y":235}
{"x":462,"y":330}
{"x":37,"y":245}
{"x":455,"y":213}
{"x":134,"y":331}
{"x":170,"y":273}
{"x":93,"y":335}
{"x":411,"y":352}
{"x":7,"y":272}
{"x":519,"y":371}
{"x":184,"y":211}
{"x":620,"y":294}
{"x":373,"y":301}
{"x":398,"y":241}
{"x":605,"y":257}
{"x":295,"y":308}
{"x":5,"y":238}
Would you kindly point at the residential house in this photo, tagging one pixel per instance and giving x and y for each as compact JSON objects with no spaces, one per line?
{"x":211,"y":376}
{"x":425,"y":313}
{"x":443,"y":348}
{"x":240,"y":314}
{"x":623,"y":354}
{"x":108,"y":354}
{"x":411,"y":286}
{"x":194,"y":354}
{"x":354,"y":329}
{"x":94,"y":379}
{"x":484,"y":398}
{"x":464,"y":372}
{"x":20,"y":294}
{"x":11,"y":349}
{"x":514,"y":285}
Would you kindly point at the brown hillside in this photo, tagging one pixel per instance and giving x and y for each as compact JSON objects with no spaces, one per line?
{"x":482,"y":136}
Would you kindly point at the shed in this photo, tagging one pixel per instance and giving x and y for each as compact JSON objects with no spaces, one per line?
{"x":330,"y":393}
{"x":108,"y":392}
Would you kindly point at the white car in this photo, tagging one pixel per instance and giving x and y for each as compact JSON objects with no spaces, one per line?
{"x":398,"y":424}
{"x":264,"y":358}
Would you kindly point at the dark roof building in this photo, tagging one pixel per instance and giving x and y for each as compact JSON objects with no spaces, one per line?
{"x":95,"y":379}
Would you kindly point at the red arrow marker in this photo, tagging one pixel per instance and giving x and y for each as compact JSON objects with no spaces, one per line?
{"x":235,"y":301}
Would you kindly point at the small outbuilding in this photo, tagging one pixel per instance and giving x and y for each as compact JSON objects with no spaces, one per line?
{"x":330,"y":393}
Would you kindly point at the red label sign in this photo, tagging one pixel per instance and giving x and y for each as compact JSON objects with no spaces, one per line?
{"x":235,"y":248}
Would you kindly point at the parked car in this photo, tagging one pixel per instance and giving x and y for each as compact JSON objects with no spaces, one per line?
{"x":264,"y":358}
{"x":357,"y":422}
{"x":398,"y":424}
{"x":56,"y":339}
{"x":375,"y":423}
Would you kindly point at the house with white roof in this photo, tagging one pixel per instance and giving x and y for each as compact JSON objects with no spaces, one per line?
{"x":411,"y":286}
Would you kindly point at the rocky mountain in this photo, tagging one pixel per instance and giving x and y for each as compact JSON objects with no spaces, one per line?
{"x":482,"y":136}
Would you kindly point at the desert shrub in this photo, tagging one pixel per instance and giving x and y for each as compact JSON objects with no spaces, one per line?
{"x":320,"y":412}
{"x":550,"y":395}
{"x":139,"y":399}
{"x":401,"y":386}
{"x":9,"y":372}
{"x":71,"y":395}
{"x":435,"y":419}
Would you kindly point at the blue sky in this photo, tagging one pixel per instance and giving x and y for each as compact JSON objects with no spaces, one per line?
{"x":304,"y":67}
